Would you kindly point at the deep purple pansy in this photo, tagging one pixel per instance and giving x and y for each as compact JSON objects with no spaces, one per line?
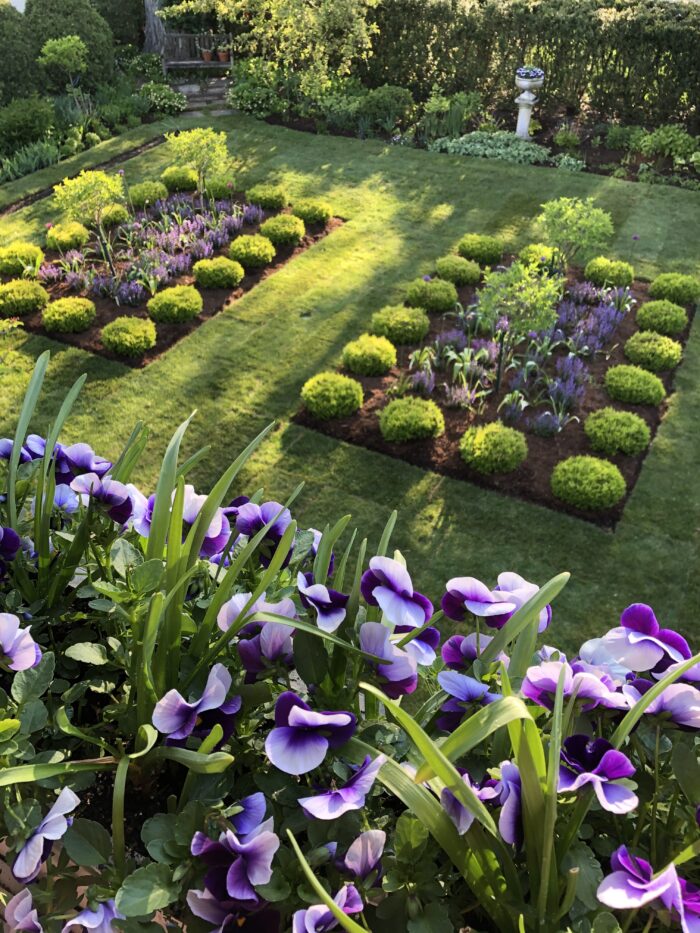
{"x":236,"y":864}
{"x":301,"y":737}
{"x":319,"y":919}
{"x":351,"y":796}
{"x":252,"y":518}
{"x":37,"y":848}
{"x":329,"y":605}
{"x":178,"y":719}
{"x":595,"y":763}
{"x":18,"y":650}
{"x":111,"y":495}
{"x":387,"y":584}
{"x":228,"y":915}
{"x":10,"y":544}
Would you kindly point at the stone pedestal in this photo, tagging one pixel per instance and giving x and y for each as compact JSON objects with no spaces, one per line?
{"x":526,"y":101}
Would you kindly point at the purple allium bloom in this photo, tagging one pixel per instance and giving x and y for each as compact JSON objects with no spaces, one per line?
{"x":21,"y":915}
{"x":635,"y":236}
{"x":178,"y":719}
{"x":387,"y":584}
{"x":319,"y":919}
{"x":252,"y":518}
{"x":506,"y":793}
{"x":301,"y":737}
{"x":399,"y":673}
{"x":678,"y":702}
{"x":329,"y":605}
{"x":101,"y":919}
{"x":10,"y":543}
{"x":587,"y":684}
{"x":465,"y":692}
{"x":226,"y":914}
{"x":112,"y":495}
{"x":18,"y":650}
{"x":594,"y":762}
{"x":427,"y":278}
{"x":459,"y":651}
{"x":236,"y":864}
{"x":423,"y":647}
{"x":37,"y":848}
{"x":467,"y":594}
{"x":351,"y":796}
{"x":364,"y":855}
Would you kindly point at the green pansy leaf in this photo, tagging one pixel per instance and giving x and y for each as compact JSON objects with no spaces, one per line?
{"x":147,"y":577}
{"x":8,"y":728}
{"x":33,"y":717}
{"x":590,"y":874}
{"x":434,"y":919}
{"x":277,"y":889}
{"x":687,"y":771}
{"x":31,"y":684}
{"x":606,"y":923}
{"x":88,"y":843}
{"x":88,"y":653}
{"x":145,"y":890}
{"x":124,"y":556}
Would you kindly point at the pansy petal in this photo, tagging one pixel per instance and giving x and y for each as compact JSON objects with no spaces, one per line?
{"x":295,"y":751}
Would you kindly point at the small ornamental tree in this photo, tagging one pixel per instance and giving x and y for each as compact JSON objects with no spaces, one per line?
{"x":86,"y":198}
{"x":64,"y":59}
{"x":575,"y":227}
{"x":203,"y":150}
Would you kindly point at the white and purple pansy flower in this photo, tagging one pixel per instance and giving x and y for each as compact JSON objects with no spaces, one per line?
{"x":101,"y":919}
{"x":364,"y":855}
{"x":397,"y":672}
{"x":422,"y":648}
{"x":81,"y":458}
{"x":459,"y":651}
{"x":595,"y":763}
{"x":329,"y":605}
{"x":678,"y":702}
{"x":37,"y":848}
{"x":110,"y":494}
{"x":387,"y":584}
{"x":232,"y":610}
{"x":465,"y":692}
{"x":142,"y":510}
{"x":21,"y":915}
{"x":235,"y":864}
{"x":301,"y":737}
{"x":496,"y":606}
{"x":351,"y":796}
{"x":227,"y":914}
{"x":178,"y":719}
{"x":506,"y":792}
{"x":319,"y":919}
{"x":18,"y":650}
{"x":252,"y":518}
{"x":590,"y":686}
{"x":462,"y":816}
{"x":219,"y":530}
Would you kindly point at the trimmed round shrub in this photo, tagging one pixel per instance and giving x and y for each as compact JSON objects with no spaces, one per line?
{"x":653,"y":351}
{"x":284,"y":230}
{"x":369,"y":355}
{"x":21,"y":297}
{"x":16,"y":258}
{"x":147,"y":193}
{"x":129,"y":336}
{"x":432,"y":294}
{"x":493,"y":448}
{"x":69,"y":315}
{"x":270,"y":197}
{"x":312,"y":211}
{"x":114,"y":215}
{"x":536,"y":254}
{"x":219,"y":188}
{"x":662,"y":316}
{"x":680,"y":289}
{"x":634,"y":385}
{"x":175,"y":305}
{"x":179,"y":178}
{"x":331,"y":395}
{"x":617,"y":432}
{"x":458,"y":270}
{"x":486,"y":250}
{"x":252,"y":251}
{"x":400,"y":324}
{"x":65,"y":236}
{"x":411,"y":419}
{"x":588,"y":483}
{"x":219,"y":272}
{"x":602,"y":271}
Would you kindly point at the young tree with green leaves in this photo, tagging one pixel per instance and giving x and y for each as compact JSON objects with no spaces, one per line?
{"x":64,"y":59}
{"x":203,"y":150}
{"x":86,"y":197}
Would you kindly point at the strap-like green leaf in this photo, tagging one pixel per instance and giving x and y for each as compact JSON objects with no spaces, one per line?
{"x":31,"y":397}
{"x":24,"y":774}
{"x":164,"y":492}
{"x":213,"y":763}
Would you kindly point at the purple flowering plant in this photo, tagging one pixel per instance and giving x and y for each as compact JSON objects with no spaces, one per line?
{"x":214,"y":718}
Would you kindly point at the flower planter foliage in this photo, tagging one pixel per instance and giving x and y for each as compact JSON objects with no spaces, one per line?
{"x":68,"y":315}
{"x":369,"y":355}
{"x":400,"y":325}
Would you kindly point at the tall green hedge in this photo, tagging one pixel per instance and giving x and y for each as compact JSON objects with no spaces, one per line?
{"x":17,"y":69}
{"x":633,"y":59}
{"x":51,"y":19}
{"x":126,"y":19}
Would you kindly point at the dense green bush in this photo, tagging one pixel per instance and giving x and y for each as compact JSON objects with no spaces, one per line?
{"x":385,"y":108}
{"x":369,"y":355}
{"x":69,"y":315}
{"x":617,"y":432}
{"x":114,"y":215}
{"x":538,"y":254}
{"x":219,"y":272}
{"x":284,"y":230}
{"x":411,"y":419}
{"x":588,"y":483}
{"x":146,"y":193}
{"x":602,"y":271}
{"x":20,"y":297}
{"x":160,"y":98}
{"x":331,"y":395}
{"x":219,"y":187}
{"x":269,"y":197}
{"x":675,"y":287}
{"x":486,"y":250}
{"x":20,"y":259}
{"x":65,"y":236}
{"x":493,"y":448}
{"x":653,"y":351}
{"x":313,"y":211}
{"x":432,"y":294}
{"x":400,"y":325}
{"x":25,"y":120}
{"x":662,"y":316}
{"x":52,"y":19}
{"x":129,"y":336}
{"x":175,"y":305}
{"x":501,"y":145}
{"x":458,"y":270}
{"x":179,"y":178}
{"x":252,"y":251}
{"x":18,"y":73}
{"x":126,"y":19}
{"x":634,"y":385}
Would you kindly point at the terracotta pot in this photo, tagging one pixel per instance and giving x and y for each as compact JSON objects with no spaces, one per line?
{"x":224,"y":56}
{"x":207,"y":55}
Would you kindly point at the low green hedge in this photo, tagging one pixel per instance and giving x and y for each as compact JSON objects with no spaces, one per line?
{"x":252,"y":251}
{"x":433,"y":295}
{"x":20,"y":259}
{"x":486,"y":250}
{"x":129,"y":336}
{"x":21,"y":297}
{"x":64,"y":236}
{"x":147,"y":193}
{"x":312,"y":211}
{"x":269,"y":197}
{"x":284,"y":230}
{"x":634,"y":385}
{"x":219,"y":187}
{"x":331,"y":395}
{"x":411,"y":419}
{"x":69,"y":315}
{"x":175,"y":305}
{"x":114,"y":215}
{"x":653,"y":351}
{"x":219,"y":272}
{"x":458,"y":270}
{"x":369,"y":355}
{"x":662,"y":316}
{"x":178,"y":178}
{"x":588,"y":483}
{"x":493,"y":448}
{"x":680,"y":289}
{"x":617,"y":432}
{"x":400,"y":324}
{"x":602,"y":271}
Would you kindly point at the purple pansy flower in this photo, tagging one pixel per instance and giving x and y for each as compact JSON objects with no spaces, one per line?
{"x":465,"y":692}
{"x":467,"y":594}
{"x":101,"y":919}
{"x":422,"y":648}
{"x":225,"y":915}
{"x":460,"y":815}
{"x":633,"y":884}
{"x":399,"y":673}
{"x":236,"y":864}
{"x":271,"y":647}
{"x":37,"y":848}
{"x":329,"y":605}
{"x":364,"y":855}
{"x":589,"y":686}
{"x":10,"y":544}
{"x":387,"y":584}
{"x":18,"y":650}
{"x":595,"y":763}
{"x":459,"y":651}
{"x":319,"y":919}
{"x":251,"y":815}
{"x":65,"y":500}
{"x":21,"y":915}
{"x":219,"y":530}
{"x":112,"y":495}
{"x":301,"y":737}
{"x":252,"y":518}
{"x":351,"y":796}
{"x":231,"y":611}
{"x":178,"y":719}
{"x":82,"y":458}
{"x":506,"y":793}
{"x":142,"y":510}
{"x":678,"y":702}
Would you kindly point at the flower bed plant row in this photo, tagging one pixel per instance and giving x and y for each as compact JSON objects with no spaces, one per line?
{"x":527,"y":374}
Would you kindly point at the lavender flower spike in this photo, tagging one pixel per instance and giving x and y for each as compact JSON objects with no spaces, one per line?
{"x":301,"y":737}
{"x":351,"y":796}
{"x":319,"y":919}
{"x":595,"y":763}
{"x":329,"y":605}
{"x":18,"y":650}
{"x":387,"y":584}
{"x":37,"y":848}
{"x":21,"y":915}
{"x":364,"y":855}
{"x":236,"y":864}
{"x":99,"y":919}
{"x":177,"y":718}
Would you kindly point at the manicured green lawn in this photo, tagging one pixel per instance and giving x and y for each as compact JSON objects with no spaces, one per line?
{"x":244,"y":368}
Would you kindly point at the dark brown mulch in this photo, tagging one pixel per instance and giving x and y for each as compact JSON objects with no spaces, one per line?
{"x":531,"y":481}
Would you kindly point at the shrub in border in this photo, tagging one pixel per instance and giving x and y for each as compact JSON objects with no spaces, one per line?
{"x":486,"y":250}
{"x":218,"y":272}
{"x":69,"y":315}
{"x":269,"y":197}
{"x":178,"y":178}
{"x":65,"y":236}
{"x":611,"y":432}
{"x":129,"y":336}
{"x":400,"y":324}
{"x":312,"y":211}
{"x":634,"y":385}
{"x":252,"y":251}
{"x":284,"y":230}
{"x":22,"y":296}
{"x":602,"y":271}
{"x":653,"y":351}
{"x":411,"y":419}
{"x":458,"y":270}
{"x":175,"y":305}
{"x":369,"y":355}
{"x":20,"y":258}
{"x":493,"y":448}
{"x":662,"y":316}
{"x":588,"y":483}
{"x":432,"y":294}
{"x":680,"y":289}
{"x":331,"y":395}
{"x":146,"y":193}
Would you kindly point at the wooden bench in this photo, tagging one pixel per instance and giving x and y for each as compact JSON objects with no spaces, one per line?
{"x":184,"y":50}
